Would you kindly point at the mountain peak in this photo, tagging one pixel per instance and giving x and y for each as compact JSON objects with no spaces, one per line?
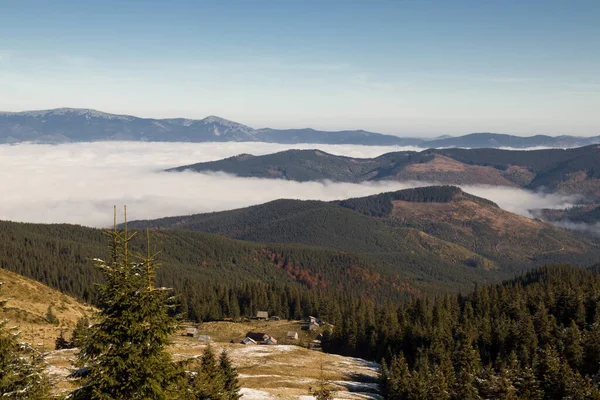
{"x":213,"y":119}
{"x":216,"y":119}
{"x":225,"y":126}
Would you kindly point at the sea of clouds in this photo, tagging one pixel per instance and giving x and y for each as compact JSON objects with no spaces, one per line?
{"x":79,"y":183}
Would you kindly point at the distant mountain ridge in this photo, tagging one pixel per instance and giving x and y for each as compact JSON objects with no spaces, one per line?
{"x":63,"y":125}
{"x":570,"y":171}
{"x":496,"y":140}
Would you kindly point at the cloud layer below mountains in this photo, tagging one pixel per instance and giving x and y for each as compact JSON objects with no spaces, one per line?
{"x":80,"y":183}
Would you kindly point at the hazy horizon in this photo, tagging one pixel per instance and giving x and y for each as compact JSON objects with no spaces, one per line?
{"x":430,"y":136}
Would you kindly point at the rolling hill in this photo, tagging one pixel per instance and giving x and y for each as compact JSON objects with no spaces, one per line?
{"x":571,"y":171}
{"x":63,"y":125}
{"x":387,"y":246}
{"x":442,"y":222}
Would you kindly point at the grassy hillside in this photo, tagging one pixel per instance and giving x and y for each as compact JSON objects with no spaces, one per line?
{"x":29,"y":301}
{"x":27,"y":308}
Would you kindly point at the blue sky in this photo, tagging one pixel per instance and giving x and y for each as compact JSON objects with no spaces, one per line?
{"x":409,"y":68}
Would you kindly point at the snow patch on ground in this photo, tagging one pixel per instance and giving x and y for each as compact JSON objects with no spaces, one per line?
{"x":264,"y":351}
{"x":254,"y":394}
{"x":57,"y":371}
{"x":258,"y":376}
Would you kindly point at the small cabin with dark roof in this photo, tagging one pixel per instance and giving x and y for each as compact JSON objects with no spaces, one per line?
{"x":258,"y":337}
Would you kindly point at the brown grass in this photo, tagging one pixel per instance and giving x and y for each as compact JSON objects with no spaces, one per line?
{"x":28,"y":303}
{"x":282,"y":371}
{"x":513,"y":232}
{"x":449,"y":171}
{"x":286,"y":371}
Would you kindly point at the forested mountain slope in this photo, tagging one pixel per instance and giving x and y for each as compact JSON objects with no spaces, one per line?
{"x":435,"y":221}
{"x":534,"y":337}
{"x":201,"y":266}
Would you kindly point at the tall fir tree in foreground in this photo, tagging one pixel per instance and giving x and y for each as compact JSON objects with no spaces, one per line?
{"x":125,"y":349}
{"x":21,"y":369}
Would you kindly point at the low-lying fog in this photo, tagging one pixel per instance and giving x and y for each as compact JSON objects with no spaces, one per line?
{"x":79,"y":183}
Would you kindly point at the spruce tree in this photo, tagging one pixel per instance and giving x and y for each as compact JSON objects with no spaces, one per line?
{"x":80,"y":332}
{"x":125,"y":349}
{"x":397,"y":379}
{"x":467,"y":369}
{"x":591,"y":353}
{"x":51,"y":317}
{"x":438,"y":385}
{"x":551,"y":374}
{"x":61,"y":343}
{"x":231,"y":385}
{"x":207,"y":382}
{"x":323,"y":390}
{"x":524,"y":380}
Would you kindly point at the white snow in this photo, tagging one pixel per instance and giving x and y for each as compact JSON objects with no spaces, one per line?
{"x":58,"y":371}
{"x":254,"y":394}
{"x":264,"y":351}
{"x":226,"y":124}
